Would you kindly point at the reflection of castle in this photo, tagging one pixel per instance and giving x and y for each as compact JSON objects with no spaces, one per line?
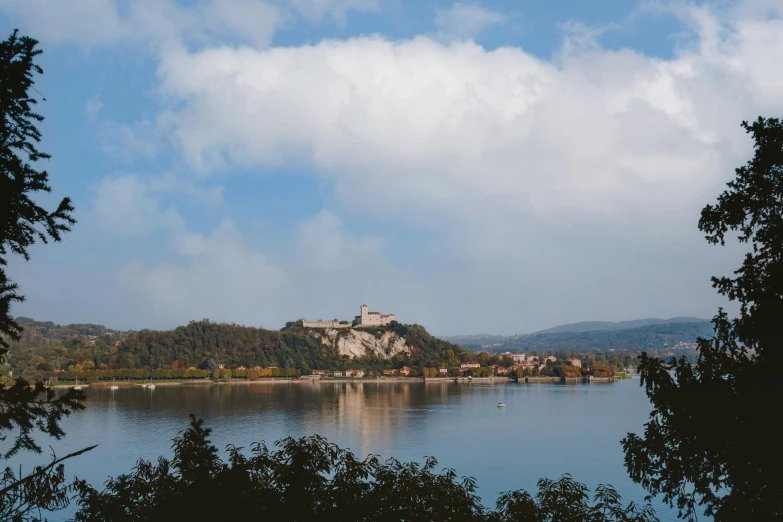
{"x":374,"y":318}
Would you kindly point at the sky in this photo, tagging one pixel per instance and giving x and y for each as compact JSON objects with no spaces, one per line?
{"x":475,"y":167}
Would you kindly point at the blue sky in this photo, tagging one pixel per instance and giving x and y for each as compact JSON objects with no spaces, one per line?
{"x":489,"y":166}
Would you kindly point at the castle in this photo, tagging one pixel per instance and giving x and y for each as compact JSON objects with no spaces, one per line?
{"x":373,"y":318}
{"x":365,"y":318}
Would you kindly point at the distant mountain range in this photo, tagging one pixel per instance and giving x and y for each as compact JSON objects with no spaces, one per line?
{"x":592,"y":326}
{"x":596,"y":335}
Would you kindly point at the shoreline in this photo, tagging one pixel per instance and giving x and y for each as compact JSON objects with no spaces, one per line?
{"x":378,"y":380}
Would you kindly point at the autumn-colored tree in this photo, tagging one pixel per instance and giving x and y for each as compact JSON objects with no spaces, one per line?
{"x":253,"y":374}
{"x":602,"y":370}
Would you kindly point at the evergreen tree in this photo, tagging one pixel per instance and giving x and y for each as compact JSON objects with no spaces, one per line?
{"x":24,"y":407}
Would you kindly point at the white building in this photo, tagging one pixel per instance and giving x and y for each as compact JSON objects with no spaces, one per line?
{"x":575,"y":362}
{"x":516,"y":357}
{"x":367,"y":318}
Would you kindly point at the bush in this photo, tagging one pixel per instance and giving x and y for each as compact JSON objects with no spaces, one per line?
{"x":311,"y":479}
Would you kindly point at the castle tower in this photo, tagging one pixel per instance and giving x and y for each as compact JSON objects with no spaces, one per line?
{"x":364,"y":314}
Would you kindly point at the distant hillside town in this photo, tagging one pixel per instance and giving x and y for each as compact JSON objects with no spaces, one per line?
{"x":365,"y":318}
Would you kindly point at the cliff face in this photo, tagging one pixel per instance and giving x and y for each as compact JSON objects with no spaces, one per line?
{"x":357,"y":343}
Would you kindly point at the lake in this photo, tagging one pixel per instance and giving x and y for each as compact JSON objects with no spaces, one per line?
{"x":545,"y":430}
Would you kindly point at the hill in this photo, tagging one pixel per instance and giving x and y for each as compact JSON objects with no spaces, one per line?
{"x":46,"y":347}
{"x":592,"y":326}
{"x":653,"y":336}
{"x":586,"y":326}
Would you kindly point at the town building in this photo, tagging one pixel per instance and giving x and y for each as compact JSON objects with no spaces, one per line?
{"x":575,"y":361}
{"x":405,"y":371}
{"x":516,"y":357}
{"x":354,"y":373}
{"x":468,"y":365}
{"x":390,"y":373}
{"x":443,"y":370}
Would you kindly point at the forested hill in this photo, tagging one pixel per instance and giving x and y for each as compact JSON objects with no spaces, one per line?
{"x":654,"y":336}
{"x":46,"y":346}
{"x":594,"y":326}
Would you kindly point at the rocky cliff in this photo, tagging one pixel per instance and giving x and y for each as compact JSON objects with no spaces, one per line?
{"x":356,"y":343}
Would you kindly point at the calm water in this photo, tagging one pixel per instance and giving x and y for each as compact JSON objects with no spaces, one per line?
{"x":544,"y":430}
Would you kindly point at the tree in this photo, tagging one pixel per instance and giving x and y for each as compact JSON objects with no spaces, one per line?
{"x":311,"y":479}
{"x":709,"y":440}
{"x":24,"y":407}
{"x":22,"y":221}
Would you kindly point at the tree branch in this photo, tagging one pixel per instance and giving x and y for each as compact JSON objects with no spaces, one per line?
{"x":43,"y":470}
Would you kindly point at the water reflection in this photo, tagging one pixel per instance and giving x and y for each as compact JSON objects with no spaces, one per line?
{"x":544,"y":430}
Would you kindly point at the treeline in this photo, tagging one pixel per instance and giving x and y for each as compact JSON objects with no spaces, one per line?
{"x":48,"y":350}
{"x":169,"y":373}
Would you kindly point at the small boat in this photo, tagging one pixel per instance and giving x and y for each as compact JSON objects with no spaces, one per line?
{"x":151,"y":386}
{"x":501,"y":405}
{"x":113,"y":386}
{"x":77,"y":387}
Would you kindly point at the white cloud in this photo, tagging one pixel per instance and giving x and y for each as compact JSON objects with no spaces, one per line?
{"x":129,"y":142}
{"x":465,"y":20}
{"x":337,"y":9}
{"x":159,"y":23}
{"x":431,"y":127}
{"x":66,"y":21}
{"x":221,"y":278}
{"x":93,"y":107}
{"x":323,"y":240}
{"x":125,"y":207}
{"x":131,"y":205}
{"x":556,"y":190}
{"x":256,"y":21}
{"x":503,"y":155}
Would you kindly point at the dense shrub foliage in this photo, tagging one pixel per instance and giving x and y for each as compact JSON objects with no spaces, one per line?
{"x":310,"y":479}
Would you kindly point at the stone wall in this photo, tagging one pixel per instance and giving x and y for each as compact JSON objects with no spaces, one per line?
{"x":324,"y":324}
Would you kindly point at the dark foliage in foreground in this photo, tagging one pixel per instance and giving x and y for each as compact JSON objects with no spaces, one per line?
{"x":712,"y":439}
{"x":22,"y":221}
{"x":310,"y":479}
{"x":25,"y":407}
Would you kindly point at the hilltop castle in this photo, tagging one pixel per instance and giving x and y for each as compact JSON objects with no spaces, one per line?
{"x":373,"y":318}
{"x":365,"y":318}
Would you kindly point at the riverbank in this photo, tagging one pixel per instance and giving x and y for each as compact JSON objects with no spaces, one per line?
{"x":133,"y":384}
{"x":343,"y":380}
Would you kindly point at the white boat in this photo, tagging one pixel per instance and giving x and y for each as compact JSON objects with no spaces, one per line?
{"x":113,"y":386}
{"x":151,"y":386}
{"x":501,"y":405}
{"x":77,"y":387}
